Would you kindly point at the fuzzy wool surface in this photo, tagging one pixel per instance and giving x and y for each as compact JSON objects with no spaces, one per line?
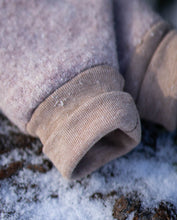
{"x":133,"y":18}
{"x":45,"y":43}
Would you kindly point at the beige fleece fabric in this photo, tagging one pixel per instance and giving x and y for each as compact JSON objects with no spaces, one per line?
{"x":87,"y":122}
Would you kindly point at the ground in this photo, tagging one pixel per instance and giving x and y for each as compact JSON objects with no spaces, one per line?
{"x":138,"y":186}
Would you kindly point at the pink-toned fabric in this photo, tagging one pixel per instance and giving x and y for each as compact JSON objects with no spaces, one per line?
{"x":133,"y":18}
{"x":45,"y":43}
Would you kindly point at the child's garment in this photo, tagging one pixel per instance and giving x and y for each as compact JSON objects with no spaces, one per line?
{"x":59,"y":81}
{"x":148,"y":58}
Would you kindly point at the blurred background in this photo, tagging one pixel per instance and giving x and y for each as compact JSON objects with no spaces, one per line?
{"x":167,"y":8}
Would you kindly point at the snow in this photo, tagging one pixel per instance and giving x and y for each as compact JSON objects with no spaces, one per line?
{"x":150,"y":170}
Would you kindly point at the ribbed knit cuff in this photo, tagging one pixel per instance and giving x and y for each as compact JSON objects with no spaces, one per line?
{"x":157,"y":100}
{"x":142,"y":56}
{"x":151,"y":77}
{"x":87,"y":122}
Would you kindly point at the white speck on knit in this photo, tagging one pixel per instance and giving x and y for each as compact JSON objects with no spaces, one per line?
{"x":59,"y":103}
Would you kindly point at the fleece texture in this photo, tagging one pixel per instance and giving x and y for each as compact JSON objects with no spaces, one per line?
{"x":59,"y":81}
{"x":45,"y":43}
{"x":133,"y":18}
{"x":148,"y":61}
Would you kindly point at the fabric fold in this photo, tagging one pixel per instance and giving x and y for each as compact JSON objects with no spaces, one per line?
{"x":44,"y":44}
{"x":147,"y":47}
{"x":60,"y":81}
{"x":87,"y":122}
{"x":158,"y":90}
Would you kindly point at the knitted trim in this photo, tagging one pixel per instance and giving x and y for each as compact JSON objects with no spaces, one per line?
{"x":73,"y":120}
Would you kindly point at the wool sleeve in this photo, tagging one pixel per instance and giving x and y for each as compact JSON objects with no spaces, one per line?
{"x":60,"y":82}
